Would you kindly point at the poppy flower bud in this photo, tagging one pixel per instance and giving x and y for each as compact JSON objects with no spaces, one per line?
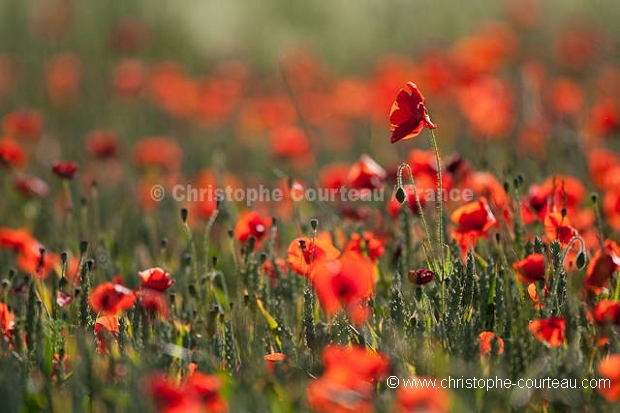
{"x":421,"y":276}
{"x":65,"y":170}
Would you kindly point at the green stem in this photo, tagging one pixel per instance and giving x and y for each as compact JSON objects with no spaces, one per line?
{"x":440,"y":204}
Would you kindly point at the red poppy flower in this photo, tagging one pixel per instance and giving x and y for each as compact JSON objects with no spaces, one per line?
{"x":366,"y":174}
{"x":532,"y":291}
{"x":274,"y":359}
{"x":366,"y":244}
{"x":211,"y":184}
{"x":473,"y":220}
{"x":65,"y":170}
{"x":488,"y":105}
{"x":566,"y":97}
{"x":63,"y":75}
{"x":602,"y":266}
{"x":486,"y":341}
{"x":251,"y":224}
{"x":345,"y":282}
{"x":550,"y":331}
{"x":28,"y":251}
{"x":270,"y":270}
{"x":158,"y":152}
{"x":30,"y":186}
{"x":7,"y":319}
{"x":557,"y":227}
{"x":607,"y":311}
{"x":289,"y":141}
{"x":111,"y":299}
{"x":23,"y":123}
{"x":106,"y":329}
{"x":421,"y":276}
{"x":199,"y":393}
{"x":428,"y":399}
{"x":303,"y":252}
{"x":408,"y":115}
{"x":102,"y":144}
{"x":11,"y":153}
{"x":486,"y":184}
{"x":156,"y":279}
{"x":530,"y":269}
{"x":153,"y":303}
{"x":129,"y":78}
{"x":609,"y":368}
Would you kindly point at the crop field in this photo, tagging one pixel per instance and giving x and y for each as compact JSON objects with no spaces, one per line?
{"x":309,"y":206}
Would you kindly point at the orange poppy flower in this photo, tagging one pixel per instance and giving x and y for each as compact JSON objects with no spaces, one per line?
{"x":156,"y":279}
{"x":550,"y":331}
{"x":422,"y":399}
{"x":604,"y":118}
{"x":106,"y":329}
{"x":270,"y":270}
{"x":486,"y":184}
{"x":29,"y":252}
{"x":251,"y":224}
{"x":408,"y":115}
{"x":486,"y":343}
{"x":303,"y":252}
{"x":211,"y":184}
{"x":602,"y":266}
{"x":345,"y":282}
{"x":488,"y":106}
{"x":110,"y":299}
{"x":532,"y":291}
{"x":609,"y":368}
{"x":7,"y":319}
{"x":530,"y":269}
{"x":473,"y":220}
{"x":23,"y":123}
{"x":11,"y":153}
{"x":334,"y":176}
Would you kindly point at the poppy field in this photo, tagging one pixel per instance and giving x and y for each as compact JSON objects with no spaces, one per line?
{"x":433,"y":227}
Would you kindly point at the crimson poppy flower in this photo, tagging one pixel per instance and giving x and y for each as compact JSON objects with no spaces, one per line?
{"x":366,"y":174}
{"x":7,"y":319}
{"x":23,"y":123}
{"x":348,"y":370}
{"x":110,"y":299}
{"x":65,"y":170}
{"x":421,"y":398}
{"x":473,"y":220}
{"x":11,"y":153}
{"x":30,"y":186}
{"x":251,"y":224}
{"x":106,"y":329}
{"x":488,"y":105}
{"x":600,"y":163}
{"x":530,"y":269}
{"x":486,"y":340}
{"x":156,"y":279}
{"x":345,"y":282}
{"x":609,"y":368}
{"x":421,"y":276}
{"x":303,"y":252}
{"x":408,"y":115}
{"x":550,"y":331}
{"x":602,"y":266}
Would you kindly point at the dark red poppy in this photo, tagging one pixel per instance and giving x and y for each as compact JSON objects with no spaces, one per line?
{"x":65,"y":170}
{"x":550,"y":331}
{"x":156,"y":279}
{"x":602,"y":266}
{"x":408,"y":115}
{"x":130,"y":34}
{"x":110,"y":299}
{"x":530,"y":269}
{"x":421,"y":276}
{"x":486,"y":342}
{"x":102,"y":144}
{"x":11,"y":153}
{"x":63,"y":76}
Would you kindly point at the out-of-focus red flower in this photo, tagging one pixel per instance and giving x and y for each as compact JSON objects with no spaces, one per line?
{"x":600,"y":163}
{"x":421,"y":276}
{"x":23,"y":123}
{"x":303,"y":253}
{"x":530,"y":269}
{"x":273,"y":359}
{"x":30,"y":186}
{"x":50,"y":19}
{"x":7,"y":319}
{"x":129,"y":79}
{"x":110,"y":299}
{"x":211,"y":184}
{"x":251,"y":224}
{"x":130,"y":34}
{"x":366,"y":174}
{"x":576,"y":45}
{"x":173,"y":90}
{"x":602,"y":266}
{"x":609,"y":368}
{"x":270,"y":270}
{"x":351,"y":98}
{"x":557,"y":191}
{"x":566,"y":97}
{"x":158,"y":152}
{"x":199,"y":393}
{"x":348,"y":371}
{"x":408,"y":115}
{"x":604,"y":118}
{"x":532,"y":291}
{"x":346,"y":282}
{"x":393,"y":206}
{"x":29,"y":252}
{"x":485,"y":184}
{"x":11,"y":153}
{"x":63,"y":75}
{"x":486,"y":342}
{"x":102,"y":144}
{"x":156,"y":279}
{"x":367,"y":244}
{"x":611,"y":206}
{"x":334,"y":176}
{"x":525,"y":14}
{"x":153,"y":303}
{"x":65,"y":170}
{"x":550,"y":330}
{"x":289,"y":141}
{"x":428,"y":399}
{"x":473,"y":221}
{"x":106,"y":329}
{"x":557,"y":227}
{"x":488,"y":106}
{"x":607,"y":311}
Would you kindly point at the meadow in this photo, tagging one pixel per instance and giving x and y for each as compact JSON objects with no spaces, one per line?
{"x":254,"y":206}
